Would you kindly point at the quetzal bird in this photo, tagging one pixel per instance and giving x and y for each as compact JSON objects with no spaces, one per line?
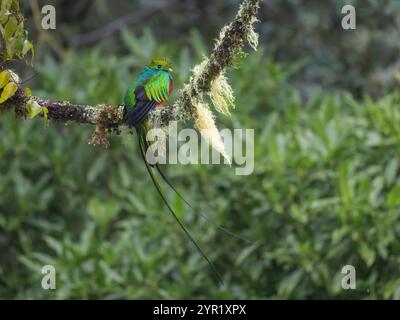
{"x":148,"y":91}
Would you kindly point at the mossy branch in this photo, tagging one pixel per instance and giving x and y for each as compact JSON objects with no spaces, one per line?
{"x":109,"y":116}
{"x":229,"y":44}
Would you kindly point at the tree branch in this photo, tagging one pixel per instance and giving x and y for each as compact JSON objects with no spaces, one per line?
{"x":230,"y":42}
{"x":109,"y":116}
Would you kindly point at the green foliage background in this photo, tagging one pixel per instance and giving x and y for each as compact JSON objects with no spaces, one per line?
{"x":325,"y":191}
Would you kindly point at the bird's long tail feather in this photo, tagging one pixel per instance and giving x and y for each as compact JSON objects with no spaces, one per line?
{"x":166,"y":180}
{"x":142,"y":138}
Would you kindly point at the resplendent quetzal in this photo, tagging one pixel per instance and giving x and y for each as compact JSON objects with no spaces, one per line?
{"x":149,"y":90}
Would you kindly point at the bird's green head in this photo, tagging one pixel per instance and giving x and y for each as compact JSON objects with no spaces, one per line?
{"x":160,"y":64}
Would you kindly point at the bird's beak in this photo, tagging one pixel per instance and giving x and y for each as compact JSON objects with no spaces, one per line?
{"x":170,"y":70}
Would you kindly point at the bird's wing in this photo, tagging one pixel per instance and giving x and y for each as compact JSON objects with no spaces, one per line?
{"x":141,"y":109}
{"x":157,"y":87}
{"x":146,"y":96}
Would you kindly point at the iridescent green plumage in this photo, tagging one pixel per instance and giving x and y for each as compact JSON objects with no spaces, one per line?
{"x":156,"y":80}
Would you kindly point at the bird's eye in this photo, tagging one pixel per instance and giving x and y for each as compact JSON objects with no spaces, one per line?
{"x":159,"y":66}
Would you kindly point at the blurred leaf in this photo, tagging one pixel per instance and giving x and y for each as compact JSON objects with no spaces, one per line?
{"x":8,"y":91}
{"x":4,"y":78}
{"x":103,"y":210}
{"x":33,"y":109}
